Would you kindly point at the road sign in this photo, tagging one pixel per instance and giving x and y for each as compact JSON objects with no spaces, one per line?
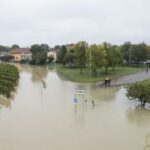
{"x":75,"y":100}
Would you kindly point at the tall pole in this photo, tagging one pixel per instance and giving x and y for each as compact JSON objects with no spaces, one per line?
{"x":130,"y":56}
{"x":90,"y":64}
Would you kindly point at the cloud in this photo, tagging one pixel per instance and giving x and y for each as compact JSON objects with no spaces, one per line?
{"x":63,"y":21}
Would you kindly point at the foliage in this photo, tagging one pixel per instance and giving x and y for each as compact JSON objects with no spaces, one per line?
{"x":62,"y":54}
{"x":96,"y":57}
{"x":9,"y":76}
{"x":113,"y":56}
{"x":39,"y":53}
{"x":140,"y":53}
{"x":15,"y":46}
{"x":3,"y":48}
{"x":80,"y":52}
{"x":140,"y":91}
{"x":70,"y":59}
{"x":136,"y":53}
{"x":6,"y":58}
{"x":50,"y":59}
{"x":125,"y":50}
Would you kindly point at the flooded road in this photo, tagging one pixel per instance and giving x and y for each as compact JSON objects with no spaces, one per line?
{"x":40,"y":118}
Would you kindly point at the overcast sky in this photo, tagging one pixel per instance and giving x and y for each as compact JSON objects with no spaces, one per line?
{"x":27,"y":22}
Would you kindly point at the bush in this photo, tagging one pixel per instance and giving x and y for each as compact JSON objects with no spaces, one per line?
{"x":140,"y":91}
{"x":9,"y":76}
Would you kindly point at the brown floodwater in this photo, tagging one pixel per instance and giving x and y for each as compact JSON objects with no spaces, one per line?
{"x":42,"y":116}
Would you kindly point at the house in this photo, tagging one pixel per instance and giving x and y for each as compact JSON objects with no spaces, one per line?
{"x":54,"y":54}
{"x":21,"y":54}
{"x":3,"y":53}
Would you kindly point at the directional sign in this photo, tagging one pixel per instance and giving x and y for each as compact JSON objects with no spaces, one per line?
{"x":75,"y":100}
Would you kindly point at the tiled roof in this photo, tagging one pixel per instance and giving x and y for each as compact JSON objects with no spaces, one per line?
{"x":20,"y":50}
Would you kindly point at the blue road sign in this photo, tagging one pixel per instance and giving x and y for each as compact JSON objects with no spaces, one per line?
{"x":75,"y":100}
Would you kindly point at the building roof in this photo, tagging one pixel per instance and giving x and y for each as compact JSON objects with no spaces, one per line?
{"x":20,"y":51}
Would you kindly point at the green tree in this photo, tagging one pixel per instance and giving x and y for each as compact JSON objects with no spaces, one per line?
{"x":15,"y":46}
{"x":39,"y":54}
{"x":96,"y":57}
{"x":3,"y":48}
{"x":140,"y":53}
{"x":45,"y":47}
{"x":140,"y":91}
{"x":80,"y":52}
{"x":115,"y":56}
{"x":126,"y":51}
{"x":62,"y":53}
{"x":70,"y":59}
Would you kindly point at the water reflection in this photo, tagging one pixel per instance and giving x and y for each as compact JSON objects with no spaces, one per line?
{"x":5,"y":102}
{"x":138,"y":117}
{"x":39,"y":73}
{"x":50,"y":120}
{"x":147,"y":142}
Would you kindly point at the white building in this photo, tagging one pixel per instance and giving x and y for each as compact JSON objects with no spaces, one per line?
{"x":53,"y":54}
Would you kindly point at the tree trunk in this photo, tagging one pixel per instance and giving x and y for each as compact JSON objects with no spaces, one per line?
{"x":106,"y":69}
{"x":80,"y":70}
{"x":94,"y":71}
{"x":141,"y":104}
{"x":113,"y":68}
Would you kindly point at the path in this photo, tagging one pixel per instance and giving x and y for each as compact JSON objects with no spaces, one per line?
{"x":129,"y":79}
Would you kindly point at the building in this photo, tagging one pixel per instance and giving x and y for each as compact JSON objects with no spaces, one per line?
{"x":21,"y":54}
{"x":54,"y":54}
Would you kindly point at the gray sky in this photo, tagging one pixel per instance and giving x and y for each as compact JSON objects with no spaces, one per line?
{"x":27,"y":22}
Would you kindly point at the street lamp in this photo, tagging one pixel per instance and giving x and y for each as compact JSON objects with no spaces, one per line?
{"x":130,"y":57}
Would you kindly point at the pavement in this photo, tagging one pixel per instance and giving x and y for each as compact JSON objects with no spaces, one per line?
{"x":129,"y":79}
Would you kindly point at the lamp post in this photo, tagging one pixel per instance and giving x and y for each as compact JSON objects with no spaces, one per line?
{"x":130,"y":57}
{"x":90,"y":64}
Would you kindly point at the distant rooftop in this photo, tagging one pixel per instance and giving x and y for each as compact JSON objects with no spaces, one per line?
{"x":20,"y":50}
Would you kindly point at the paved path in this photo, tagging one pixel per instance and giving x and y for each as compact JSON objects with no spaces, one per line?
{"x":129,"y":79}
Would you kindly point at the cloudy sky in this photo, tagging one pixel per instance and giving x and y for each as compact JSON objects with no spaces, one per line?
{"x":26,"y":22}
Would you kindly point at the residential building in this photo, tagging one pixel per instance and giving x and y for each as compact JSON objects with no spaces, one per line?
{"x":54,"y":54}
{"x":21,"y":54}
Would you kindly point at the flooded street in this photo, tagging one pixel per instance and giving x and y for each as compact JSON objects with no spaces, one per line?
{"x":39,"y":118}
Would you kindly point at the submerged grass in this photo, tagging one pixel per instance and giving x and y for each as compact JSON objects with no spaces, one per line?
{"x":73,"y":74}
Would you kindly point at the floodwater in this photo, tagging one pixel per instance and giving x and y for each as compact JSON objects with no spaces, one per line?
{"x":44,"y":117}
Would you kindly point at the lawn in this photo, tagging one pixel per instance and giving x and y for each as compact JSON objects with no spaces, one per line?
{"x":73,"y":74}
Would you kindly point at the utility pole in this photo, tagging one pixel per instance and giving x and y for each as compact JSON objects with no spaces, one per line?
{"x":90,"y":64}
{"x":130,"y":57}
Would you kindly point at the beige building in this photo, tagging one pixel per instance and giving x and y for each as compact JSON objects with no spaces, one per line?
{"x":21,"y":54}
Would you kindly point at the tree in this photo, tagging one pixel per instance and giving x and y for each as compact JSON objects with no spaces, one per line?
{"x":126,"y":51}
{"x":15,"y":46}
{"x":140,"y":53}
{"x":115,"y":56}
{"x":70,"y":59}
{"x":140,"y":91}
{"x":3,"y":48}
{"x":6,"y":58}
{"x":62,"y":53}
{"x":80,"y":52}
{"x":108,"y":56}
{"x":39,"y":54}
{"x":135,"y":53}
{"x":96,"y":57}
{"x":45,"y":47}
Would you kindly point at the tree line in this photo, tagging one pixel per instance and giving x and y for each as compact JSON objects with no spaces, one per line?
{"x":95,"y":56}
{"x":106,"y":55}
